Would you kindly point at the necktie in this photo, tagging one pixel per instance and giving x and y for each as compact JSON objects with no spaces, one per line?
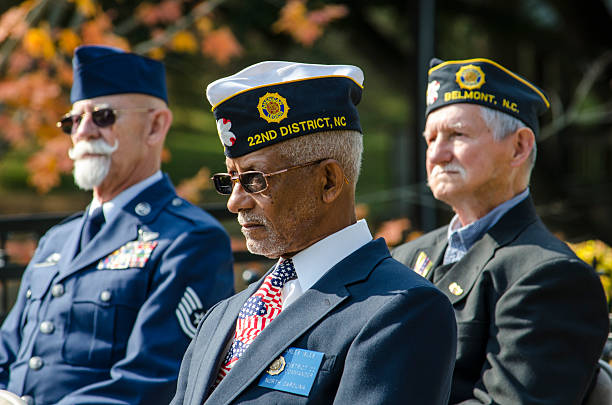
{"x":257,"y":313}
{"x":92,"y":225}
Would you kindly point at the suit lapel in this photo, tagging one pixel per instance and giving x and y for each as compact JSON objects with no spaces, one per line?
{"x":457,"y":282}
{"x":437,"y":253}
{"x":214,"y":342}
{"x":329,"y":292}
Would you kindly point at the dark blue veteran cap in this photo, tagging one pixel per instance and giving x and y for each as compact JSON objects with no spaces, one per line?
{"x":102,"y":71}
{"x":272,"y":101}
{"x":484,"y":82}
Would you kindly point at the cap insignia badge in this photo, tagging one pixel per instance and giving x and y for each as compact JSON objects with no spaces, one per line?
{"x":470,"y":77}
{"x":273,"y":107}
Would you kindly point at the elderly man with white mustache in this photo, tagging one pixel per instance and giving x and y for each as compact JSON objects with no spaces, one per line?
{"x":531,"y":317}
{"x":112,"y":296}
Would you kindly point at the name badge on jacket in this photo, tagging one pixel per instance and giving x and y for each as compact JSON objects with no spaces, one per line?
{"x":294,"y":371}
{"x":133,"y":254}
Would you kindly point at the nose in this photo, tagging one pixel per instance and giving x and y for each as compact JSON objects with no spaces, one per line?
{"x":85,"y":129}
{"x":239,"y":200}
{"x":438,"y":151}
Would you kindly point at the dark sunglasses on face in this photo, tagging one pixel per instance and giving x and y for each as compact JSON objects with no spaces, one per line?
{"x":252,"y":181}
{"x":101,"y":116}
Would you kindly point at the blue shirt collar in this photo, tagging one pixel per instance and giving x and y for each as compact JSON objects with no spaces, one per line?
{"x":461,"y":239}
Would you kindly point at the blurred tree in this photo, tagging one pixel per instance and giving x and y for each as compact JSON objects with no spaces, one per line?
{"x":38,"y":37}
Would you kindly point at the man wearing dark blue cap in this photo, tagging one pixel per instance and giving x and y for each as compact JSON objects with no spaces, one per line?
{"x":531,"y":317}
{"x":336,"y":320}
{"x":112,"y":296}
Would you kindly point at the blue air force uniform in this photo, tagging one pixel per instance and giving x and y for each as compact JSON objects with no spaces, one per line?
{"x":111,"y":323}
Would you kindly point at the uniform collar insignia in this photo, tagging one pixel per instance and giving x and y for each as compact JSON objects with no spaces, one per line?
{"x":146,"y":236}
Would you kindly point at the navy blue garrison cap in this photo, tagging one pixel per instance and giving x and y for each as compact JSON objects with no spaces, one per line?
{"x":102,"y":71}
{"x":273,"y":101}
{"x":482,"y":81}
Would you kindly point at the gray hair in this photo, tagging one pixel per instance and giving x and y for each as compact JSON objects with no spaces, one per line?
{"x":502,"y":125}
{"x":344,"y":146}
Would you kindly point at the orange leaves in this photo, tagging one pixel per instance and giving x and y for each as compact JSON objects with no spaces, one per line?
{"x":46,"y":165}
{"x":221,"y":45}
{"x":192,"y":188}
{"x":13,"y":23}
{"x":37,"y":42}
{"x":68,"y":40}
{"x":307,"y":26}
{"x":184,"y":41}
{"x":165,"y":12}
{"x":85,"y":7}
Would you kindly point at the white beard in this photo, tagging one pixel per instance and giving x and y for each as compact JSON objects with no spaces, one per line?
{"x":90,"y":171}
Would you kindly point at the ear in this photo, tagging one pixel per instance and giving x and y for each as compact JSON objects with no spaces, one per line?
{"x":332,"y":181}
{"x":160,"y":124}
{"x":522,"y":142}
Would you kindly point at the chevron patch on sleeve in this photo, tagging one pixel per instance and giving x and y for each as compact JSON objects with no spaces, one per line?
{"x":189,"y":312}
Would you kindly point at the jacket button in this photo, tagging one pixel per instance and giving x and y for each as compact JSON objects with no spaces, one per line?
{"x":29,"y":294}
{"x":57,"y":290}
{"x":29,"y":400}
{"x":36,"y":363}
{"x":105,"y":296}
{"x":47,"y":327}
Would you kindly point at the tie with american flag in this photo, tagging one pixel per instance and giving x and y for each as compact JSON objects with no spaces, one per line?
{"x":256,"y":313}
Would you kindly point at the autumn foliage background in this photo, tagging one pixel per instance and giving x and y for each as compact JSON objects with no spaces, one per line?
{"x":562,"y":45}
{"x":38,"y":39}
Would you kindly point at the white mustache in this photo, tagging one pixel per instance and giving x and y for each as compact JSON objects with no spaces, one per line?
{"x":450,"y":167}
{"x":251,"y":219}
{"x":95,"y":147}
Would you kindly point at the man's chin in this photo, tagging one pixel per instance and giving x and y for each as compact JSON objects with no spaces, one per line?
{"x":263,"y":248}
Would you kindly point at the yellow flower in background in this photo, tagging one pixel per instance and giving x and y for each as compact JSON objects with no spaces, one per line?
{"x":204,"y":25}
{"x":156,"y":53}
{"x":599,"y":255}
{"x":68,"y":40}
{"x":85,"y":7}
{"x":184,"y":41}
{"x":37,"y":42}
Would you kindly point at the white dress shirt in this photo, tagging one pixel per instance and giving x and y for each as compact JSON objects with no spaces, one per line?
{"x":316,"y":260}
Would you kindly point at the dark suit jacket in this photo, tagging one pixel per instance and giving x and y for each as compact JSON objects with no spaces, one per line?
{"x":531,"y":317}
{"x":387,"y":334}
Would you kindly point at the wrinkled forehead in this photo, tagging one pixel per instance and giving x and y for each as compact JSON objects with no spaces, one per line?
{"x":266,"y":159}
{"x":455,"y":116}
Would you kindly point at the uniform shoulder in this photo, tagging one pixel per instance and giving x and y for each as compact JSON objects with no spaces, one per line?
{"x":399,"y":276}
{"x":185,"y":210}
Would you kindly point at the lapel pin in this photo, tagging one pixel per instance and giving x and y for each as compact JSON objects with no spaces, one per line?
{"x":277,"y":366}
{"x":455,"y":288}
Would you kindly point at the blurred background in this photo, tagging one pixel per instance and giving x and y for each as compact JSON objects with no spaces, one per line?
{"x":563,"y":46}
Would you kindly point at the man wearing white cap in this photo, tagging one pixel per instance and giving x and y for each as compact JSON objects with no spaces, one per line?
{"x":112,"y":296}
{"x":336,"y":320}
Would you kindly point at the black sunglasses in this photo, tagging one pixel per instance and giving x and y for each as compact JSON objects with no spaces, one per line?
{"x":101,"y":116}
{"x":252,"y":181}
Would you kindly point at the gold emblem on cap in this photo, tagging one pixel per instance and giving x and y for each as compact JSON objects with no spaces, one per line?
{"x":470,"y":77}
{"x":272,"y":107}
{"x":455,"y":288}
{"x":277,"y":366}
